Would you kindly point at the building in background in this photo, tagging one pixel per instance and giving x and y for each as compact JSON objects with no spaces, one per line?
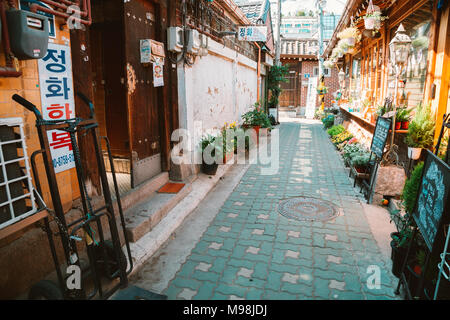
{"x":299,"y":50}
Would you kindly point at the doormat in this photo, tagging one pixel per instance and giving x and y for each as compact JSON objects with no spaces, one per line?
{"x":171,"y":187}
{"x":308,"y":209}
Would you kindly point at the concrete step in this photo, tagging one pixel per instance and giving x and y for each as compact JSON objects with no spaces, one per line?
{"x":144,"y":217}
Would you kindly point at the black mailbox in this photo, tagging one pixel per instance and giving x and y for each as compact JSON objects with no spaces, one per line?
{"x":28,"y":33}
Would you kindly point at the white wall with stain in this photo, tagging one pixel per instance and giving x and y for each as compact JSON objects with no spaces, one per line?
{"x":218,"y":88}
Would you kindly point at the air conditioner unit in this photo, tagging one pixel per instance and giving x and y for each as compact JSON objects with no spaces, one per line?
{"x":175,"y":39}
{"x":193,"y":41}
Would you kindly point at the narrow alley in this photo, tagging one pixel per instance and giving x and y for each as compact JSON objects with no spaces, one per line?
{"x":245,"y":249}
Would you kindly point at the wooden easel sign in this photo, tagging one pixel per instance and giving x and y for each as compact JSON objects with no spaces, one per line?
{"x":380,"y":136}
{"x":431,"y":213}
{"x":432,"y":209}
{"x":379,"y":139}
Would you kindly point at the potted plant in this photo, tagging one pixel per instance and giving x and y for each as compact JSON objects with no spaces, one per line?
{"x":360,"y":162}
{"x":227,"y":141}
{"x":209,"y":147}
{"x":372,"y":20}
{"x":256,"y":119}
{"x":350,"y":36}
{"x":420,"y":132}
{"x":328,"y":64}
{"x":402,"y":118}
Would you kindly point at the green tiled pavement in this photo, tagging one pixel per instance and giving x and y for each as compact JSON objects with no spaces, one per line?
{"x":250,"y":251}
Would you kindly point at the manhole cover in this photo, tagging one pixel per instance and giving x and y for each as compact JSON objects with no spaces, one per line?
{"x":303,"y":208}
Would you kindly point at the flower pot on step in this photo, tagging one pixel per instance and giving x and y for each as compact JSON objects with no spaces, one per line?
{"x":414,"y":153}
{"x":405,"y":125}
{"x":398,"y":125}
{"x":209,"y":169}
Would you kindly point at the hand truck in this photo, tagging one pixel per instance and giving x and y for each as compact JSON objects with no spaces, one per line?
{"x":105,"y":257}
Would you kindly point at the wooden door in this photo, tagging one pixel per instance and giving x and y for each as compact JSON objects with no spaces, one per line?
{"x":140,"y":18}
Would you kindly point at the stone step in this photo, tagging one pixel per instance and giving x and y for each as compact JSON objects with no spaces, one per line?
{"x":144,"y":217}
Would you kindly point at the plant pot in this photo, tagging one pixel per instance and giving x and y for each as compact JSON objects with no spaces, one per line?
{"x":398,"y":125}
{"x":414,"y":153}
{"x":398,"y":257}
{"x":360,"y":169}
{"x":351,"y":42}
{"x":405,"y":125}
{"x":209,"y":169}
{"x":227,"y":157}
{"x":369,"y":23}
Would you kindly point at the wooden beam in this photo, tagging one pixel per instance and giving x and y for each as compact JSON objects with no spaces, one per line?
{"x":22,"y":224}
{"x":442,"y":71}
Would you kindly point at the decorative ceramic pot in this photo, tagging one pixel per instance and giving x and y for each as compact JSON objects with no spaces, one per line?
{"x":414,"y":153}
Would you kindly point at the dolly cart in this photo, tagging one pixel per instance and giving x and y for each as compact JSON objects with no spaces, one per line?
{"x":105,"y":258}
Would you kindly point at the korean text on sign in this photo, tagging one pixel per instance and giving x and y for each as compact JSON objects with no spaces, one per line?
{"x":57,"y":97}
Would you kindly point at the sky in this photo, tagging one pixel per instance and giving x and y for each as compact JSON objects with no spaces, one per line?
{"x":287,"y":6}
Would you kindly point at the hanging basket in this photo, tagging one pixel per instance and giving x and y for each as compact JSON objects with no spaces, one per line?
{"x":351,"y":42}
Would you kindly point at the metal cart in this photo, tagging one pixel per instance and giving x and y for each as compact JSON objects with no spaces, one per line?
{"x":105,"y":258}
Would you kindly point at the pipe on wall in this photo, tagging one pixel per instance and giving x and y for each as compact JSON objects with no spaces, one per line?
{"x":85,"y":13}
{"x":9,"y":70}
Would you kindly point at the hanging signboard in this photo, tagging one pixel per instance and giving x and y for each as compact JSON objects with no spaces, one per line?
{"x":57,"y":98}
{"x":431,"y":204}
{"x":380,"y":136}
{"x":252,"y":33}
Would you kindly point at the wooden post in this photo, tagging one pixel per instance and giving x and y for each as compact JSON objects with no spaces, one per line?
{"x":442,"y":71}
{"x":82,"y":80}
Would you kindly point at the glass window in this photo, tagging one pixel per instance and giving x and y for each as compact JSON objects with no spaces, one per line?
{"x":418,"y":27}
{"x":355,"y":92}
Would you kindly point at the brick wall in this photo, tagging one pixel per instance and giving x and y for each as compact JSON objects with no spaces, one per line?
{"x":25,"y":255}
{"x":331,"y":82}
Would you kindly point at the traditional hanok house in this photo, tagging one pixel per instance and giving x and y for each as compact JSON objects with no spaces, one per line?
{"x":124,"y":56}
{"x":299,"y":50}
{"x":259,"y":13}
{"x":96,"y":50}
{"x":369,"y":70}
{"x":221,"y":79}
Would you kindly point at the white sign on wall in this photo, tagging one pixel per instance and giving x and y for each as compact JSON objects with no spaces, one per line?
{"x":252,"y":33}
{"x":57,"y":98}
{"x":311,"y":98}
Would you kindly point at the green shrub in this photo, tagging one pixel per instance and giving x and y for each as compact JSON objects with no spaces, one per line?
{"x":335,"y":130}
{"x":411,"y":188}
{"x":328,"y":122}
{"x":421,"y":129}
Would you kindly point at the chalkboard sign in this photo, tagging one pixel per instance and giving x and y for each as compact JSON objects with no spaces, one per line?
{"x":431,"y":202}
{"x":380,"y":136}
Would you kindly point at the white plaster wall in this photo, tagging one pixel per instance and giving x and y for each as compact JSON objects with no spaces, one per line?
{"x":218,"y":88}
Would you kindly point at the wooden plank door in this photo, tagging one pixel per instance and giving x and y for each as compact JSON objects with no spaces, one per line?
{"x":140,"y":23}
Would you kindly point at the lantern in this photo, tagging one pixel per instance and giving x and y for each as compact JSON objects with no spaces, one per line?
{"x":400,"y":47}
{"x":341,"y":76}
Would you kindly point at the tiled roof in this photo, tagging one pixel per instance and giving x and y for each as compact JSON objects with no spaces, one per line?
{"x":299,"y":47}
{"x":254,"y":9}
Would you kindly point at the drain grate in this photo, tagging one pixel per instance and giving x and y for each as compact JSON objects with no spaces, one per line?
{"x":307,"y":209}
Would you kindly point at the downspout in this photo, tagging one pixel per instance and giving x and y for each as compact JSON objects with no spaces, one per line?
{"x":259,"y":71}
{"x":9,"y":70}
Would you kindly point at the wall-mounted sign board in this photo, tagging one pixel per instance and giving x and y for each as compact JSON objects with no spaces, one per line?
{"x":432,"y":209}
{"x":252,"y":33}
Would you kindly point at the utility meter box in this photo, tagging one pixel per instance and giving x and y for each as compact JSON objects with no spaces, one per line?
{"x":175,"y":39}
{"x":193,"y":41}
{"x":28,"y":34}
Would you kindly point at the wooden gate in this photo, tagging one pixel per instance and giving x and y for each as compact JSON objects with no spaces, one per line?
{"x":140,"y":18}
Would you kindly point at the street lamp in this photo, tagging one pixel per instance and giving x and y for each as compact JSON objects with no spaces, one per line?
{"x":399,"y":48}
{"x":341,"y":77}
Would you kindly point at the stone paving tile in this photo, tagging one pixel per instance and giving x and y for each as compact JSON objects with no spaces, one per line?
{"x":249,"y":251}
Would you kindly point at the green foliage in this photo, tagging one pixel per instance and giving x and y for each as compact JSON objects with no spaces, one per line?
{"x":421,"y":129}
{"x":256,"y":117}
{"x":352,"y":150}
{"x":411,"y":188}
{"x":344,"y":136}
{"x":277,"y":74}
{"x":210,"y":140}
{"x":360,"y":160}
{"x":328,"y":121}
{"x":335,"y":130}
{"x":403,"y":114}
